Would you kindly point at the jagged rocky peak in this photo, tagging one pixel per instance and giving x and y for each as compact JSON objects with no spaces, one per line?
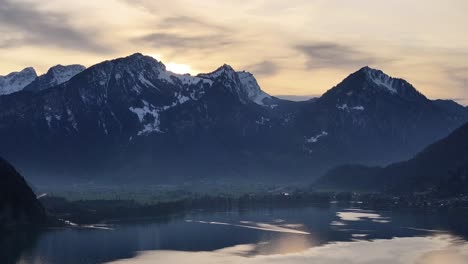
{"x":133,"y":68}
{"x":66,"y":72}
{"x":135,"y":63}
{"x":225,"y":70}
{"x":241,"y":82}
{"x":149,"y":72}
{"x":26,"y":71}
{"x":138,"y":59}
{"x":56,"y":75}
{"x":250,"y":85}
{"x":16,"y":81}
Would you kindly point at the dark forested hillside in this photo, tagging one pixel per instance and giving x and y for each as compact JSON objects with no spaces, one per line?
{"x":18,"y":203}
{"x":442,"y":168}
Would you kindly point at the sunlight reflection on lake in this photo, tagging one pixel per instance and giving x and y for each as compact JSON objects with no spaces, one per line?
{"x":418,"y":250}
{"x":325,"y":235}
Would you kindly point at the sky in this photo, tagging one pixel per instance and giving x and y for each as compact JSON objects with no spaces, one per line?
{"x":298,"y":48}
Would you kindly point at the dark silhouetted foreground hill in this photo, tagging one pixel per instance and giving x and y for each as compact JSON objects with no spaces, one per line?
{"x":18,"y":203}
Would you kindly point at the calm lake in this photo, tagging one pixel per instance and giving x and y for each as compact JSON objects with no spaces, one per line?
{"x":330,"y":234}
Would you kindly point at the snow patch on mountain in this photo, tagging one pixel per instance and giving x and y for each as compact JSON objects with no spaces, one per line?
{"x":143,"y":80}
{"x":49,"y":117}
{"x":262,"y":121}
{"x":184,"y":79}
{"x":315,"y":139}
{"x":349,"y":108}
{"x":166,"y":76}
{"x":190,"y":80}
{"x":148,"y":114}
{"x":16,"y":81}
{"x":381,"y":79}
{"x":71,"y":119}
{"x":242,"y":82}
{"x":309,"y":141}
{"x":250,"y":85}
{"x":359,"y":107}
{"x":149,"y":118}
{"x":182,"y":98}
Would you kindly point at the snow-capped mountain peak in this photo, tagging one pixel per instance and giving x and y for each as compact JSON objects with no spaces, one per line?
{"x":16,"y":81}
{"x":62,"y":73}
{"x":225,"y":70}
{"x":56,"y":75}
{"x":242,"y":83}
{"x":253,"y":90}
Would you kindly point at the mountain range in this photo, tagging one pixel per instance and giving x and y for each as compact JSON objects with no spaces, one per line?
{"x":131,"y":120}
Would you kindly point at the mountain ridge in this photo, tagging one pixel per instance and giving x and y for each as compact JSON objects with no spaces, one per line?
{"x":16,"y":81}
{"x":56,"y":75}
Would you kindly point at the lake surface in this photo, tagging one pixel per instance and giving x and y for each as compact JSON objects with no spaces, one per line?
{"x":329,"y":234}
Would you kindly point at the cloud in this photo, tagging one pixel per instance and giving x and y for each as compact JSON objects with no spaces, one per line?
{"x":23,"y":24}
{"x":8,"y":42}
{"x":190,"y":22}
{"x":141,"y":4}
{"x":334,"y":55}
{"x":264,"y":68}
{"x":182,"y":32}
{"x":458,"y":75}
{"x":183,"y":42}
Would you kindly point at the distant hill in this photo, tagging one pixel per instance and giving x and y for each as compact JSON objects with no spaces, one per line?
{"x":18,"y":203}
{"x":442,"y":168}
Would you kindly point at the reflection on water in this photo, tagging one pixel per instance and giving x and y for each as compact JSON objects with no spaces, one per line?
{"x":299,"y":235}
{"x":13,"y":245}
{"x":357,"y":215}
{"x":418,"y":250}
{"x":282,"y":228}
